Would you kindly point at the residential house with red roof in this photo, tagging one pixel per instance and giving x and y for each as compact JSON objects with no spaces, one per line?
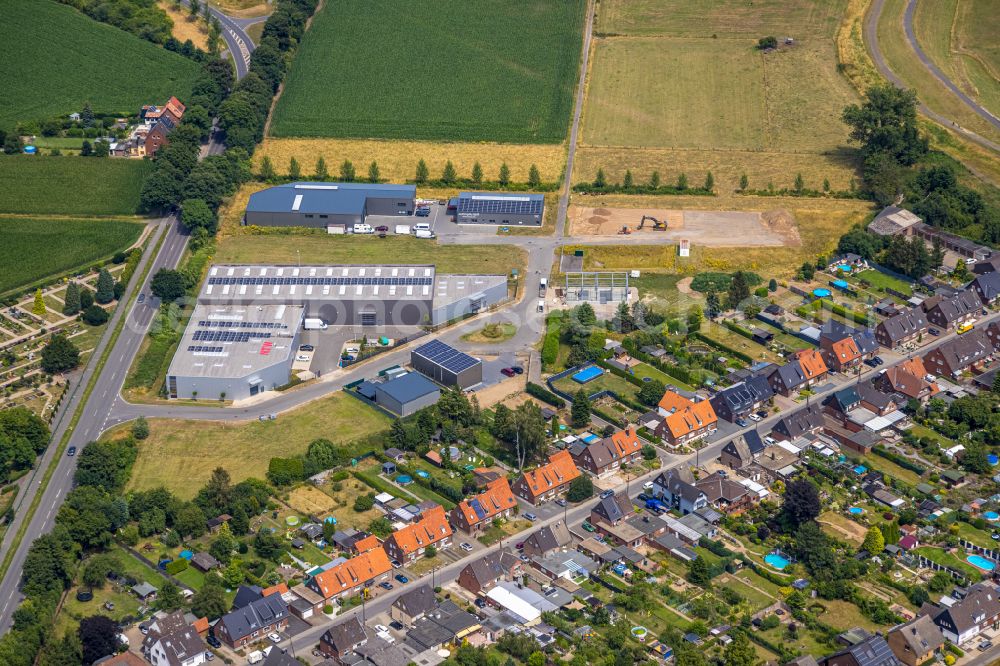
{"x":549,"y":480}
{"x":604,"y":457}
{"x":411,"y":542}
{"x":476,"y":514}
{"x":684,"y":420}
{"x":351,"y":576}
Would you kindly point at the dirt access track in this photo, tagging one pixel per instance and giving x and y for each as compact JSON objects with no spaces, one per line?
{"x":773,"y":228}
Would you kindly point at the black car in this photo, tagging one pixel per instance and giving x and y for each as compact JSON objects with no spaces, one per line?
{"x":517,"y":369}
{"x":934,"y":331}
{"x":306,"y":348}
{"x":878,"y":360}
{"x":213,"y":641}
{"x":385,"y":585}
{"x":480,"y":603}
{"x":71,"y":451}
{"x":870,"y":362}
{"x":142,"y":298}
{"x":741,"y":422}
{"x":397,"y":625}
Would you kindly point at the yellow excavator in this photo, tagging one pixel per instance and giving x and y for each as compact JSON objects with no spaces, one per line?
{"x":657,"y":225}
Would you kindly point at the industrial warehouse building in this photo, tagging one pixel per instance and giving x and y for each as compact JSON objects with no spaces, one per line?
{"x":498,"y":208}
{"x":325,"y":204}
{"x":405,"y":394}
{"x":446,"y":365}
{"x":244,"y":333}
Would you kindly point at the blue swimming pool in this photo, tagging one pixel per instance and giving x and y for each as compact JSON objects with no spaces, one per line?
{"x":993,"y":458}
{"x":856,"y":511}
{"x":422,"y":474}
{"x":981,"y":562}
{"x":991,"y":515}
{"x":860,"y":469}
{"x":404,"y":479}
{"x":590,"y":438}
{"x":821,"y":293}
{"x":840,"y":284}
{"x":331,"y":520}
{"x":590,"y":373}
{"x":845,"y":268}
{"x":775,"y":560}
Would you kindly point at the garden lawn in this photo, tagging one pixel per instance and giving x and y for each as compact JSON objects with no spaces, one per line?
{"x":341,"y":506}
{"x":949,"y":560}
{"x":34,"y":249}
{"x":70,"y":185}
{"x":112,"y":70}
{"x":975,"y":535}
{"x":755,"y":598}
{"x":606,"y":382}
{"x":886,"y":466}
{"x":181,"y":455}
{"x":386,"y":69}
{"x":880,"y":281}
{"x":737,"y":342}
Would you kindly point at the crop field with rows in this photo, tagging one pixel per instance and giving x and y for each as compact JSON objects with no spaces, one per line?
{"x":70,"y":185}
{"x":34,"y":248}
{"x":54,"y":59}
{"x":493,"y":70}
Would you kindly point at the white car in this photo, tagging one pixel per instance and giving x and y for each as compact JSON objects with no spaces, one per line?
{"x":381,"y":629}
{"x":770,"y":441}
{"x":467,"y":547}
{"x":274,"y":638}
{"x":754,"y":417}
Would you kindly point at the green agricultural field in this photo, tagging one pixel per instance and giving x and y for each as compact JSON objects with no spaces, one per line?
{"x":35,"y":248}
{"x":70,"y":185}
{"x":391,"y":70}
{"x":54,"y":59}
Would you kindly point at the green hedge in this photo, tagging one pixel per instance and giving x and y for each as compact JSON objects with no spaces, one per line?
{"x":739,"y":330}
{"x":550,"y":344}
{"x":175,"y":567}
{"x":698,"y":335}
{"x":545,"y":395}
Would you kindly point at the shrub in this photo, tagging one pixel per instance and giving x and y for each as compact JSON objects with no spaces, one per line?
{"x":177,"y":566}
{"x":545,"y":395}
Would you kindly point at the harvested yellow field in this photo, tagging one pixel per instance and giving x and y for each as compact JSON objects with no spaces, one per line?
{"x":243,"y":8}
{"x":310,"y":500}
{"x":397,"y":160}
{"x":761,"y":168}
{"x":185,"y":28}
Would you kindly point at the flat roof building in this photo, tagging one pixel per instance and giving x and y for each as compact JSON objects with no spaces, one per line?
{"x":446,"y":365}
{"x":407,"y":394}
{"x":499,"y":208}
{"x":322,"y":204}
{"x":247,"y":323}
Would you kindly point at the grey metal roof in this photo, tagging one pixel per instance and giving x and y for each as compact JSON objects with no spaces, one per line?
{"x":408,"y":387}
{"x":327,"y":198}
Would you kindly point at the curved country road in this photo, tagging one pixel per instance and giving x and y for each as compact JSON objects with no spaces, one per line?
{"x":870,"y":35}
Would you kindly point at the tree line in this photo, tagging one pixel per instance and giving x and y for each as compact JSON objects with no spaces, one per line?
{"x":654,"y":185}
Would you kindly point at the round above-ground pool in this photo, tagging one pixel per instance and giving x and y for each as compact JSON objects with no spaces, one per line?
{"x":981,"y":562}
{"x":404,"y":479}
{"x":993,"y":458}
{"x":821,"y":293}
{"x":186,"y":554}
{"x":991,"y":515}
{"x":640,"y":633}
{"x":777,"y":561}
{"x":330,"y":519}
{"x":422,"y":474}
{"x":292,"y":521}
{"x":856,"y":511}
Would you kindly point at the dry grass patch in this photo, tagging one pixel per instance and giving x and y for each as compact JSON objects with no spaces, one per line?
{"x":852,"y":54}
{"x":310,"y":500}
{"x":342,"y":495}
{"x":185,"y":28}
{"x":761,"y":168}
{"x":243,"y":8}
{"x":397,"y":160}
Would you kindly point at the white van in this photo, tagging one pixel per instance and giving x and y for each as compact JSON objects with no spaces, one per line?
{"x":541,"y":305}
{"x":424,"y":233}
{"x":421,"y":226}
{"x":363,"y":229}
{"x":255,"y":657}
{"x":402,"y":229}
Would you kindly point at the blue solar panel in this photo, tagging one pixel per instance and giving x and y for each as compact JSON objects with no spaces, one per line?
{"x":478,"y":508}
{"x":227,"y":336}
{"x":487,"y":203}
{"x":446,"y":356}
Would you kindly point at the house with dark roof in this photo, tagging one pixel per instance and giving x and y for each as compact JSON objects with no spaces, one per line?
{"x":341,"y":640}
{"x":612,"y":510}
{"x":986,"y":287}
{"x":740,"y":400}
{"x":413,"y":605}
{"x":916,"y":641}
{"x":280,"y":657}
{"x":870,"y":651}
{"x":675,"y":487}
{"x":964,"y":352}
{"x":949,"y":313}
{"x":481,"y":575}
{"x":606,"y":456}
{"x":904,"y":328}
{"x":724,"y":494}
{"x":990,"y":265}
{"x":172,"y":641}
{"x":808,"y":420}
{"x":874,"y":399}
{"x":909,"y":379}
{"x":742,"y":450}
{"x":966,"y":619}
{"x":788,"y":379}
{"x":842,"y":402}
{"x":204,"y":561}
{"x":256,"y":619}
{"x":547,"y":539}
{"x":476,"y":514}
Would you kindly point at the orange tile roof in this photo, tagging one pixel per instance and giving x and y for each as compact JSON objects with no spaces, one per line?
{"x":280,"y":588}
{"x":558,"y":471}
{"x":175,"y":107}
{"x":685,"y":416}
{"x":625,"y":442}
{"x":909,"y":378}
{"x":496,"y":498}
{"x":429,"y":530}
{"x":201,"y":625}
{"x":352,"y":573}
{"x":811,"y":362}
{"x":845,"y":350}
{"x":368,"y":543}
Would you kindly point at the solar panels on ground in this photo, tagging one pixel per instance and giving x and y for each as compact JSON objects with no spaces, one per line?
{"x":445,"y":356}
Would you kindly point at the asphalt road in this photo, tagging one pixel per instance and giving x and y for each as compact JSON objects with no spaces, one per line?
{"x":237,"y":40}
{"x":870,"y":35}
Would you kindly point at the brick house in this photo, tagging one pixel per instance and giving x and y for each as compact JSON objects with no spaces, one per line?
{"x":410,"y":542}
{"x":253,"y":621}
{"x":549,"y":480}
{"x":684,"y":420}
{"x":350,"y":577}
{"x":954,"y":356}
{"x":904,"y":328}
{"x":475,"y":515}
{"x":606,"y":456}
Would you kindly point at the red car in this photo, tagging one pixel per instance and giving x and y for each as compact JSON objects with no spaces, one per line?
{"x":508,"y":371}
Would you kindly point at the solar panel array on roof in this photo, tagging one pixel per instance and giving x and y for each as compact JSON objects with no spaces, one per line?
{"x":478,"y":508}
{"x":204,"y":350}
{"x":319,"y":280}
{"x":524,"y":205}
{"x":227,"y":336}
{"x":206,"y":323}
{"x":446,"y":356}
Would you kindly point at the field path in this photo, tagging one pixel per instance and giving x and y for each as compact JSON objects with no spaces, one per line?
{"x":870,"y":36}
